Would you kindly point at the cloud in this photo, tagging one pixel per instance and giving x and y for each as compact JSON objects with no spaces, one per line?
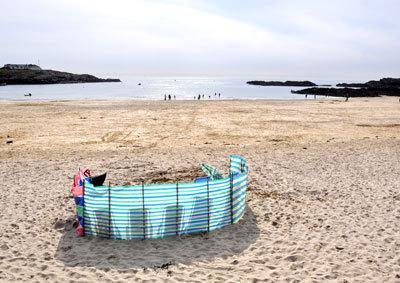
{"x":305,"y":38}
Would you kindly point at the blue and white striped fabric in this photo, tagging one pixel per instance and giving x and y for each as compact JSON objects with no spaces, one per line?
{"x":157,"y":211}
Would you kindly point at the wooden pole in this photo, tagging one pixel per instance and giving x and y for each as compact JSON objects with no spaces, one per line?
{"x":231,"y":194}
{"x":143,"y":213}
{"x":109,"y":210}
{"x":83,"y":217}
{"x":177,"y":211}
{"x":208,"y":206}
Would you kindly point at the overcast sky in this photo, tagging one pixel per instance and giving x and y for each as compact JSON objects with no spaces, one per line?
{"x":355,"y":39}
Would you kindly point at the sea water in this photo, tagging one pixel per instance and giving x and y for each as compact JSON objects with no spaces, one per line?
{"x":150,"y":87}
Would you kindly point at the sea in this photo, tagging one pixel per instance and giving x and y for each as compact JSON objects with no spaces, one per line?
{"x":151,"y":88}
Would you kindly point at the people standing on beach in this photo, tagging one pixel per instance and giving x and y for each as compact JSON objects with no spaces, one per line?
{"x":169,"y":97}
{"x":174,"y":97}
{"x":165,"y":97}
{"x":203,"y":96}
{"x":209,"y":97}
{"x":219,"y":95}
{"x":347,"y":97}
{"x":198,"y":98}
{"x":306,"y":96}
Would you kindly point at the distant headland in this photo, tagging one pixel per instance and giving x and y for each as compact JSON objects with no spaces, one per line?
{"x":287,"y":83}
{"x":26,"y":74}
{"x":383,"y":87}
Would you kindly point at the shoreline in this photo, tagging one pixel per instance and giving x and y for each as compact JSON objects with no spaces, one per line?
{"x":319,"y":98}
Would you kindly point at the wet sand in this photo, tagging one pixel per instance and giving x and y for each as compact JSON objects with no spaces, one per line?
{"x":323,"y":202}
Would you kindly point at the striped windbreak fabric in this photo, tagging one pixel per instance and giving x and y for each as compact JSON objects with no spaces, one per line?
{"x":162,"y":210}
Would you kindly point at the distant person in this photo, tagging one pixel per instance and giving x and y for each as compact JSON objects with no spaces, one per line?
{"x":165,"y":97}
{"x":169,"y":97}
{"x":215,"y":94}
{"x":174,"y":97}
{"x":209,"y":97}
{"x":219,"y":95}
{"x":203,"y":96}
{"x":306,"y":96}
{"x":194,"y":97}
{"x":315,"y":96}
{"x":198,"y":98}
{"x":347,"y":97}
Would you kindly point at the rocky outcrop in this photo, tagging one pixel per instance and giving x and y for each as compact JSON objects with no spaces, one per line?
{"x":23,"y":77}
{"x":22,"y":67}
{"x":382,"y":83}
{"x":351,"y":85}
{"x":338,"y":92}
{"x":383,"y":87}
{"x":287,"y":83}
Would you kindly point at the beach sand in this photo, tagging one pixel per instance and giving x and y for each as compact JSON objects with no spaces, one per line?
{"x":323,"y":201}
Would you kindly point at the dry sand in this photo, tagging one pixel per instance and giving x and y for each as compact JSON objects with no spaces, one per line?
{"x":323,"y":203}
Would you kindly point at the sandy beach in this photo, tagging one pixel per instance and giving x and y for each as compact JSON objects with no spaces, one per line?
{"x":323,"y":203}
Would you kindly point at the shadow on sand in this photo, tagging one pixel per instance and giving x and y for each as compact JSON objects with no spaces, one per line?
{"x":124,"y":254}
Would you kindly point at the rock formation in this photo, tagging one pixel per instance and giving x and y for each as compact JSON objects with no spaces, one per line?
{"x":386,"y":86}
{"x":277,"y":83}
{"x":28,"y":76}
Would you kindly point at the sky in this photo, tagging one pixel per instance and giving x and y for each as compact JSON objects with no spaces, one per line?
{"x":353,"y":39}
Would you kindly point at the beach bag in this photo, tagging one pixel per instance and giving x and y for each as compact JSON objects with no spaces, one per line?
{"x":82,"y":176}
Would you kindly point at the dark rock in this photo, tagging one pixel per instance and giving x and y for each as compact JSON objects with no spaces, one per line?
{"x":21,"y":67}
{"x":386,"y":86}
{"x":163,"y":266}
{"x":277,"y":83}
{"x":26,"y":76}
{"x":351,"y":85}
{"x":274,"y":223}
{"x":350,"y":92}
{"x":382,"y":83}
{"x":9,"y":142}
